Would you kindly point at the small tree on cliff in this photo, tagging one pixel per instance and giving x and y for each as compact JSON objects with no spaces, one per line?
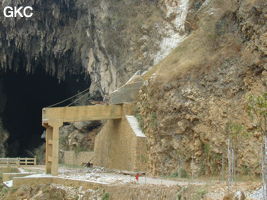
{"x":257,"y":109}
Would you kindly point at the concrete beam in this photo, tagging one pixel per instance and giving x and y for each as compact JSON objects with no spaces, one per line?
{"x":53,"y":119}
{"x":81,"y":113}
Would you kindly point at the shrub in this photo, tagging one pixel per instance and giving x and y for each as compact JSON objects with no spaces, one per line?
{"x":105,"y":196}
{"x":182,"y":173}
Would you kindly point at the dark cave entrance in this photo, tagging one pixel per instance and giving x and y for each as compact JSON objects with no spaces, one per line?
{"x":26,"y":95}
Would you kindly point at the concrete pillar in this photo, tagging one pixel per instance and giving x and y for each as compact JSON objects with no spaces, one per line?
{"x":53,"y":118}
{"x":48,"y":149}
{"x":52,"y":147}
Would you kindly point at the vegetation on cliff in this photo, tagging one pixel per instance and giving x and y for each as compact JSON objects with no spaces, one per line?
{"x":203,"y":84}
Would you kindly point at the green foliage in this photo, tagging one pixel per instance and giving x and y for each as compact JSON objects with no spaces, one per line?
{"x":207,"y":157}
{"x":144,"y":158}
{"x":174,"y":175}
{"x":257,"y":110}
{"x":3,"y":191}
{"x":181,"y":173}
{"x":193,"y":193}
{"x":180,"y":194}
{"x":235,"y":130}
{"x":206,"y":148}
{"x":209,"y":164}
{"x":105,"y":196}
{"x":215,"y":159}
{"x":199,"y":194}
{"x":154,"y":119}
{"x":245,"y":170}
{"x":140,"y":120}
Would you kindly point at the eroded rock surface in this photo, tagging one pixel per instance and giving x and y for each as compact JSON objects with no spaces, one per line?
{"x":202,"y":86}
{"x":107,"y":41}
{"x":110,"y":41}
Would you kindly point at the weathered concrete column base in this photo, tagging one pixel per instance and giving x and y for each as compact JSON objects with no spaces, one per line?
{"x":121,"y":144}
{"x":52,"y":147}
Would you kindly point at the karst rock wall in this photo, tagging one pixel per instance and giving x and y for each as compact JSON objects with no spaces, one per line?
{"x":201,"y":86}
{"x":107,"y":41}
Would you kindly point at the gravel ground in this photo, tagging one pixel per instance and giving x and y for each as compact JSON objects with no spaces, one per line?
{"x":100,"y":175}
{"x":216,"y":190}
{"x":257,"y":195}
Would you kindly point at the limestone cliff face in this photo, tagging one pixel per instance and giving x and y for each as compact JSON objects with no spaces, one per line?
{"x":193,"y":93}
{"x":202,"y":85}
{"x":109,"y":41}
{"x":47,"y":40}
{"x":123,"y":35}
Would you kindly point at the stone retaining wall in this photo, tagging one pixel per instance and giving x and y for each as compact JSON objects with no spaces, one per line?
{"x":78,"y":158}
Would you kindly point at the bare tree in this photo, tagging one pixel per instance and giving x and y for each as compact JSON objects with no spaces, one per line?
{"x":257,"y":109}
{"x":234,"y":131}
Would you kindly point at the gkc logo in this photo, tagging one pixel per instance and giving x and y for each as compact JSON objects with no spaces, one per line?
{"x":18,"y":11}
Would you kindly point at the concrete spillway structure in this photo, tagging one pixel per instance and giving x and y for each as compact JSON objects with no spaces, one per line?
{"x":53,"y":119}
{"x":119,"y":144}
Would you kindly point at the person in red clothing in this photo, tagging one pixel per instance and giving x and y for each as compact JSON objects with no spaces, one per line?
{"x":137,"y":177}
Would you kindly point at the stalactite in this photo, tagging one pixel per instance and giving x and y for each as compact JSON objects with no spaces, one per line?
{"x":37,"y":40}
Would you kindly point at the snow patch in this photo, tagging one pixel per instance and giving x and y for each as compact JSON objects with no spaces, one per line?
{"x":135,"y":125}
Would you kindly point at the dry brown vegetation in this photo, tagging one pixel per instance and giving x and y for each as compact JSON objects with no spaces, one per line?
{"x":200,"y":86}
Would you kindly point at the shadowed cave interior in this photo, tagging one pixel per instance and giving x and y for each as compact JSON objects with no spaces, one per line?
{"x":24,"y":95}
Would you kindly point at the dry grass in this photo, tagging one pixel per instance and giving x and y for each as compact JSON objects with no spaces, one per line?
{"x":199,"y":50}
